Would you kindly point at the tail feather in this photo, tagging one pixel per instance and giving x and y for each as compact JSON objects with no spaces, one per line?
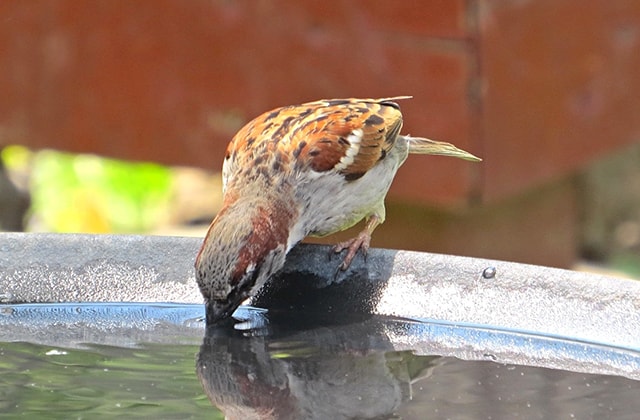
{"x":422,"y":146}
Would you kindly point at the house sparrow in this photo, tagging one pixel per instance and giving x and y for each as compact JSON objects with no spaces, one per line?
{"x":310,"y":169}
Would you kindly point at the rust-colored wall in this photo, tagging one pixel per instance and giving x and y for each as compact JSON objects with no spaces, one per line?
{"x":172,"y":81}
{"x":561,"y":86}
{"x":537,"y":88}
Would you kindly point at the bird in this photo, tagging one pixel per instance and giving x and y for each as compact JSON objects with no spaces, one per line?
{"x":296,"y":171}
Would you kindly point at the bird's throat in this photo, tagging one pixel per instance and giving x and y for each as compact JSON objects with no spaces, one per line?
{"x":248,"y":236}
{"x":270,"y":226}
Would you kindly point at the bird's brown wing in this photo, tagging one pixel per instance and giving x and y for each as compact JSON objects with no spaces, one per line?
{"x":348,"y":136}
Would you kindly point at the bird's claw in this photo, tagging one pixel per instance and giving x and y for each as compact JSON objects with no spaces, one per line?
{"x":353,"y":245}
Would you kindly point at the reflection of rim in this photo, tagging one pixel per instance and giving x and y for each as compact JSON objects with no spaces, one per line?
{"x":301,"y":334}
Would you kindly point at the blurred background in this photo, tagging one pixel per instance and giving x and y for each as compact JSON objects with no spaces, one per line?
{"x":114,"y":115}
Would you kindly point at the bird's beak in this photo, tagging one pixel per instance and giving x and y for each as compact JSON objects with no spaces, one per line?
{"x":219,"y":310}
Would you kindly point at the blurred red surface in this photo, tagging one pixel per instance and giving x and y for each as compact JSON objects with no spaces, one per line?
{"x":537,"y":88}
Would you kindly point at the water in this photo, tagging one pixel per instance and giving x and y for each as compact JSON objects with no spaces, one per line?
{"x":155,"y":361}
{"x":148,"y":381}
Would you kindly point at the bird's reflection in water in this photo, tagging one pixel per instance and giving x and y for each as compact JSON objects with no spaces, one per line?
{"x":294,"y":368}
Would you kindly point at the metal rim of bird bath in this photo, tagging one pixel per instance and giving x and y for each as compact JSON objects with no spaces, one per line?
{"x":586,"y":322}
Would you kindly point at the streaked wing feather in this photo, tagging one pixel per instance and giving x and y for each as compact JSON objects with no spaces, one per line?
{"x":346,"y":135}
{"x":349,"y":137}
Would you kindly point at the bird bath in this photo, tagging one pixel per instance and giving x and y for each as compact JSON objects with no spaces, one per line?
{"x":95,"y":326}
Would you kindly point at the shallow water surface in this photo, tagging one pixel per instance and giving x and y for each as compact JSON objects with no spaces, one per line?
{"x":98,"y":381}
{"x":144,"y":361}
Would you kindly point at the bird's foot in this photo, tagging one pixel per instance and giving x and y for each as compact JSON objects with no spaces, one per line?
{"x":360,"y":242}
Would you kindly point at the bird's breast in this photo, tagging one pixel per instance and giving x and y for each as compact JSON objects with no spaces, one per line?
{"x":331,"y":203}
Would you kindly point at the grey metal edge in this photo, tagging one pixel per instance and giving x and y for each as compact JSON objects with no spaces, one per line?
{"x":129,"y":268}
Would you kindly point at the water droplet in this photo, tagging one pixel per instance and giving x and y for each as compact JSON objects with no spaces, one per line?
{"x":489,"y":272}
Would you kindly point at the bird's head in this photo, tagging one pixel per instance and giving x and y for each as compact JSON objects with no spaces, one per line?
{"x":245,"y":245}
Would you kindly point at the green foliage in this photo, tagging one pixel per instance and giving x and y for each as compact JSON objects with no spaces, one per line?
{"x":628,"y":263}
{"x":87,"y":193}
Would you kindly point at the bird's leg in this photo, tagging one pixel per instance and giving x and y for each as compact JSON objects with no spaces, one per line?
{"x":361,"y":241}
